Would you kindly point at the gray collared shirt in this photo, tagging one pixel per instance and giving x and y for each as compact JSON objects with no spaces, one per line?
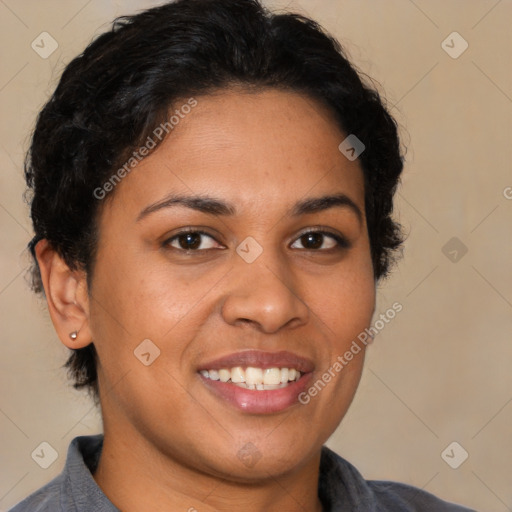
{"x":341,"y":488}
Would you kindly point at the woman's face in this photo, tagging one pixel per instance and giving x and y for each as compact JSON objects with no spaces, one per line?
{"x":246,"y":284}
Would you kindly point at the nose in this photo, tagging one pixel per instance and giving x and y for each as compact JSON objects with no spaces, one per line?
{"x":262,"y":293}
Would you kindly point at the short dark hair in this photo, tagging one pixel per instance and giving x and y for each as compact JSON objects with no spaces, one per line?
{"x":112,"y":96}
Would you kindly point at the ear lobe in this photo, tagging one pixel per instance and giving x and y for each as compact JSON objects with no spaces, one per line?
{"x":66,"y":294}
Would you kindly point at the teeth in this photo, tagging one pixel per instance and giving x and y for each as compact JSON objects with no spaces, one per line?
{"x":213,"y":374}
{"x":274,"y":386}
{"x":272,"y":376}
{"x":224,"y":375}
{"x":261,"y":387}
{"x":254,"y":378}
{"x":237,"y":374}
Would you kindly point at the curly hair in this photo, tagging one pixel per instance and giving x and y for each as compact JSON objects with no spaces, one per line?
{"x":113,"y":95}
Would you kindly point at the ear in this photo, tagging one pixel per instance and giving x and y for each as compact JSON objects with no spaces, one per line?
{"x":67,"y":296}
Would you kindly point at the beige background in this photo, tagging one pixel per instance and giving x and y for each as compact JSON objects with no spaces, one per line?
{"x":440,"y":371}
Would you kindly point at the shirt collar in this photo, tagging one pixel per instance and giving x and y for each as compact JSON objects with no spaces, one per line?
{"x":341,"y":488}
{"x":81,"y":462}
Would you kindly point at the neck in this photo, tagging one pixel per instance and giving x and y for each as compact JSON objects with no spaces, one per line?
{"x":135,"y":476}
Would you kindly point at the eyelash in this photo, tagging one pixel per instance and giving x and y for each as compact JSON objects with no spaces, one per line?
{"x":341,"y":241}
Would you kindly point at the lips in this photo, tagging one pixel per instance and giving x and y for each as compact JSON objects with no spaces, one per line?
{"x":258,"y":401}
{"x":260,"y":359}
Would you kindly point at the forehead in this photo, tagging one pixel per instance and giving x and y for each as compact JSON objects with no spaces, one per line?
{"x":252,"y":148}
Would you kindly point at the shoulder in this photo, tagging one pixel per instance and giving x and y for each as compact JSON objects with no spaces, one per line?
{"x":74,"y":490}
{"x":45,"y":499}
{"x":341,"y":487}
{"x":402,"y":497}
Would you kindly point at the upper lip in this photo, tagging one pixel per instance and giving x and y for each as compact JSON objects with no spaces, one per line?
{"x":260,"y":359}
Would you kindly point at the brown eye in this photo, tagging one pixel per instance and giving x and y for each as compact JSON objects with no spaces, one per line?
{"x":191,"y":241}
{"x":312,"y":240}
{"x":322,"y":240}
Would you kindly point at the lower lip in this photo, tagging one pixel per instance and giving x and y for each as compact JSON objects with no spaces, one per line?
{"x":258,"y":402}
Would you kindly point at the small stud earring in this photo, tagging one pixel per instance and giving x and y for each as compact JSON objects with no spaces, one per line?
{"x":73,"y":335}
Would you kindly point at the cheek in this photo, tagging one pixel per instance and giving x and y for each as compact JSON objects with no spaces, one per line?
{"x":143,"y":296}
{"x":345,"y":304}
{"x":345,"y":299}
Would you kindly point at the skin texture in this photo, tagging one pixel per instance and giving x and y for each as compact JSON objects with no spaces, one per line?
{"x":170,"y":443}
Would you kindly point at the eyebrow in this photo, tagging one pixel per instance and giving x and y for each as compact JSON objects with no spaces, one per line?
{"x":217,"y":207}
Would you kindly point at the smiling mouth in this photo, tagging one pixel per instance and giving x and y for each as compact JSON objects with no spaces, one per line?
{"x":254,"y":378}
{"x":257,"y":381}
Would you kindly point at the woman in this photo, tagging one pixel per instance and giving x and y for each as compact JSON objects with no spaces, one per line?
{"x":212,"y":196}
